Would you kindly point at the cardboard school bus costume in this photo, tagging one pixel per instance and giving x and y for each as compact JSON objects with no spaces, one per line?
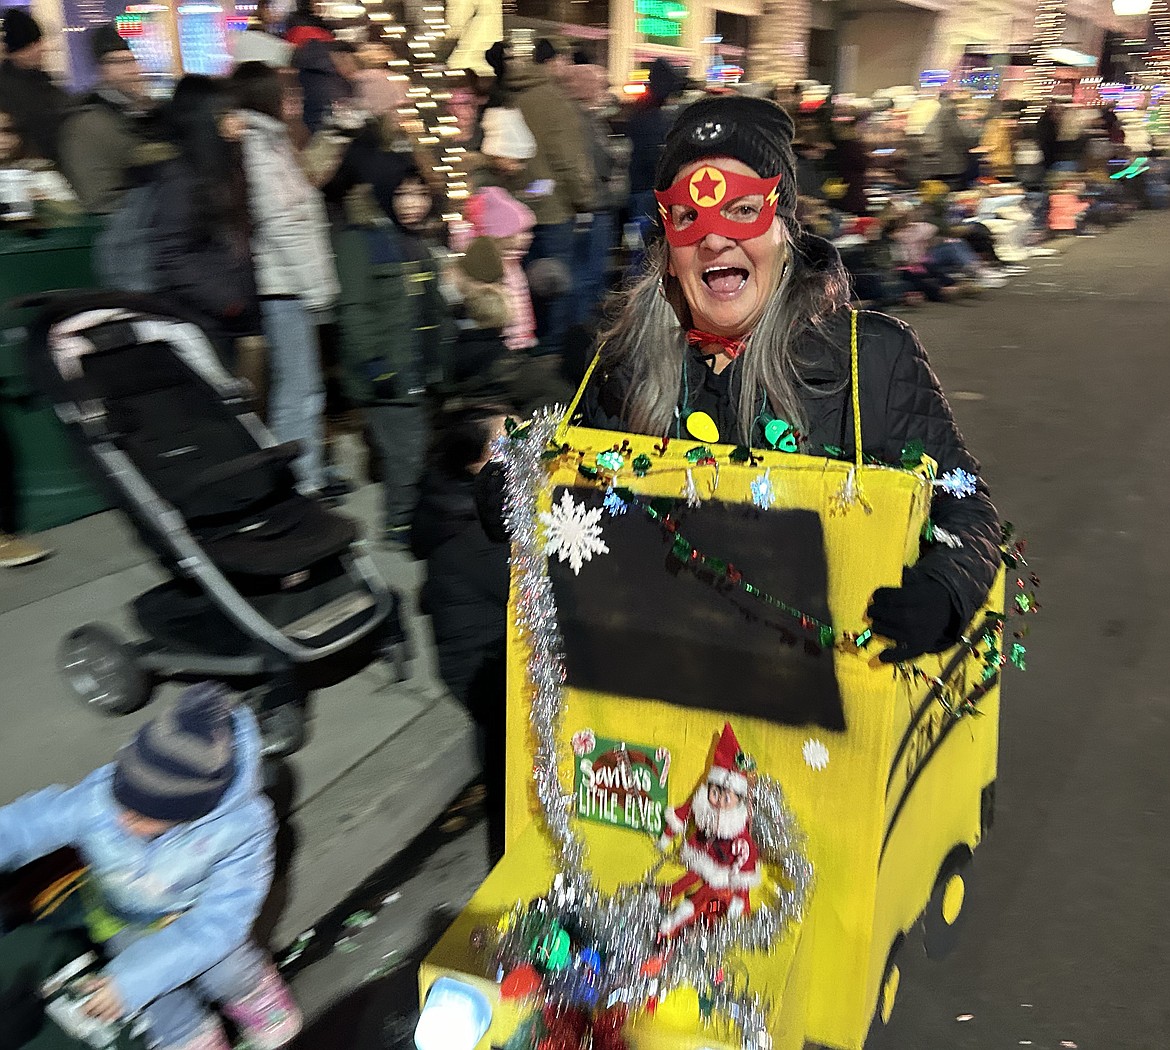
{"x":686,"y":618}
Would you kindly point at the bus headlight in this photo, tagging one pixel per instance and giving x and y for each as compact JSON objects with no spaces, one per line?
{"x":456,"y":1016}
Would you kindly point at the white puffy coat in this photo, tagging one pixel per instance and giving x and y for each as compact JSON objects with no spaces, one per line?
{"x":291,"y":248}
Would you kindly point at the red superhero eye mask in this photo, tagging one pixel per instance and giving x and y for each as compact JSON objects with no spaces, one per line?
{"x":707,"y":201}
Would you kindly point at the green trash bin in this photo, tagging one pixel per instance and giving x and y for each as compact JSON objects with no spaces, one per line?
{"x":52,"y":486}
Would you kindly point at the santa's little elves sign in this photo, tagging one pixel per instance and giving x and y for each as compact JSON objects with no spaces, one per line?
{"x":620,"y":784}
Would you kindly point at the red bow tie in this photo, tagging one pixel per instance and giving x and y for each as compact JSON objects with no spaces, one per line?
{"x":731,"y":347}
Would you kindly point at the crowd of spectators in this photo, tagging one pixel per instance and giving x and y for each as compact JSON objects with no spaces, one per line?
{"x":289,"y":201}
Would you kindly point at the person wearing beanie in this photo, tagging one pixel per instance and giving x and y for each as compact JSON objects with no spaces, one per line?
{"x":494,"y":213}
{"x":389,"y":267}
{"x":553,"y":59}
{"x":506,"y":137}
{"x":650,"y":118}
{"x":481,"y":261}
{"x":101,"y":135}
{"x":27,"y":93}
{"x":465,"y":576}
{"x":745,"y":318}
{"x":177,"y":838}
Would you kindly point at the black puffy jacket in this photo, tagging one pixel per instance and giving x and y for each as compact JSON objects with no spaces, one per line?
{"x":901,"y":401}
{"x":203,"y":268}
{"x":465,"y":593}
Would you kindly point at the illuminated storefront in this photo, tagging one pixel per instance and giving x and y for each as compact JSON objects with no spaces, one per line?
{"x":167,"y":38}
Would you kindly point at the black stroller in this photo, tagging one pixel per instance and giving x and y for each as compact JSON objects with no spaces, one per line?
{"x":269,"y":589}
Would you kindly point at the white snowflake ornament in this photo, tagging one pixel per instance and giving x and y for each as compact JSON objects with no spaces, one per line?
{"x":763,"y":491}
{"x":572,"y":532}
{"x":816,"y":755}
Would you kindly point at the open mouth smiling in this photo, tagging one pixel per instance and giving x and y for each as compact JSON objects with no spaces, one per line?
{"x":725,"y":280}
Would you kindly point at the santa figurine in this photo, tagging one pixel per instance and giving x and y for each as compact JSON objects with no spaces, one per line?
{"x":721,"y":858}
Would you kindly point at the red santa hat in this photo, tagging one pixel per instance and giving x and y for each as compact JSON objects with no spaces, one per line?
{"x":730,"y":766}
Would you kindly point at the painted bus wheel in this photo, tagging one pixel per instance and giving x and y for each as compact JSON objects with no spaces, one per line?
{"x":887,"y":996}
{"x":946,"y":911}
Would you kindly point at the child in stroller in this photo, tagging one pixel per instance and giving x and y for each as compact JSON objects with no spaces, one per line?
{"x":177,"y":840}
{"x":267,"y":585}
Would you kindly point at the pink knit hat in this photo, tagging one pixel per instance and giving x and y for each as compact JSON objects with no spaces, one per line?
{"x":494,"y":212}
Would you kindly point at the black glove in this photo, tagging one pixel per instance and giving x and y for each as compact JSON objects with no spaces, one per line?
{"x":919,"y":616}
{"x":489,"y":501}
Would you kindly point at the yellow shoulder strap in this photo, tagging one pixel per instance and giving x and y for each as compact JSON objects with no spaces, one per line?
{"x":856,"y":389}
{"x":563,"y":429}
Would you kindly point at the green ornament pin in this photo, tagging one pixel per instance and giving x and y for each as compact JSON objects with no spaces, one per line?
{"x":780,"y":435}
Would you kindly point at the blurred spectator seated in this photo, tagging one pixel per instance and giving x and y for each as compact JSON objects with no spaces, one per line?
{"x":31,"y":189}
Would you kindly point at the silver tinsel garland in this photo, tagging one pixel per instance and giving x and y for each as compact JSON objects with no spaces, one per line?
{"x":623,"y":927}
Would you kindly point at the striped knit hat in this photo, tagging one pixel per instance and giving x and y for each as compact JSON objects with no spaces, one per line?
{"x":178,"y":766}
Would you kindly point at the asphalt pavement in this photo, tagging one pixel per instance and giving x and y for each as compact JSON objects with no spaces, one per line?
{"x":1059,"y":382}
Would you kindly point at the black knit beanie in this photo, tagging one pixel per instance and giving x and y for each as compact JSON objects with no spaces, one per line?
{"x":545,"y":51}
{"x":180,"y":765}
{"x":20,"y":30}
{"x":104,"y":40}
{"x":752,"y":130}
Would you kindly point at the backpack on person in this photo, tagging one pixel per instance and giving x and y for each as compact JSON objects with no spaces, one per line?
{"x":123,"y":256}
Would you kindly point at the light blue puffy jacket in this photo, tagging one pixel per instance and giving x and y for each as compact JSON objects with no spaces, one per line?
{"x":214,"y":872}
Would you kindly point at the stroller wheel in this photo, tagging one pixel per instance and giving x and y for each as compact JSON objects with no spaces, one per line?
{"x":100,"y":668}
{"x":282,"y":730}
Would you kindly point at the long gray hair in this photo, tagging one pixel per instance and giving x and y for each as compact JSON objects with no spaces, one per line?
{"x":648,"y":337}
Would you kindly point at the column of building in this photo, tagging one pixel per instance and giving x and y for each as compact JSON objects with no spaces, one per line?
{"x":778,"y":53}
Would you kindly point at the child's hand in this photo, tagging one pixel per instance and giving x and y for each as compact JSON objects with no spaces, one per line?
{"x":104,"y":1002}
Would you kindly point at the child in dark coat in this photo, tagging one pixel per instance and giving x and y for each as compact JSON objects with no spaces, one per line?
{"x":466,"y":583}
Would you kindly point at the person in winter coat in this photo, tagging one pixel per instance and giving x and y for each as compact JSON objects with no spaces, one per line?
{"x":561,"y":155}
{"x":30,"y":187}
{"x":27,"y":92}
{"x":260,"y":40}
{"x":947,"y":143}
{"x":324,"y":87}
{"x":199,"y":225}
{"x":394,"y":327}
{"x":178,"y":838}
{"x":850,"y":160}
{"x":745,"y":317}
{"x":295,"y":273}
{"x":594,"y":243}
{"x":494,"y":213}
{"x":475,"y":290}
{"x":304,"y":24}
{"x":465,"y":588}
{"x":1000,"y":138}
{"x":649,"y":120}
{"x":1048,"y":133}
{"x":99,"y":138}
{"x":465,"y":591}
{"x":507,"y":151}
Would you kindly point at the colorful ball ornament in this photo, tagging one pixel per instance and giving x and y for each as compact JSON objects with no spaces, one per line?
{"x":555,"y":949}
{"x":780,"y":435}
{"x":702,"y":427}
{"x":520,"y":983}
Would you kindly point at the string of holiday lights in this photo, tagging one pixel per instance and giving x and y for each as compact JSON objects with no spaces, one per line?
{"x":1048,"y":34}
{"x":1159,"y":58}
